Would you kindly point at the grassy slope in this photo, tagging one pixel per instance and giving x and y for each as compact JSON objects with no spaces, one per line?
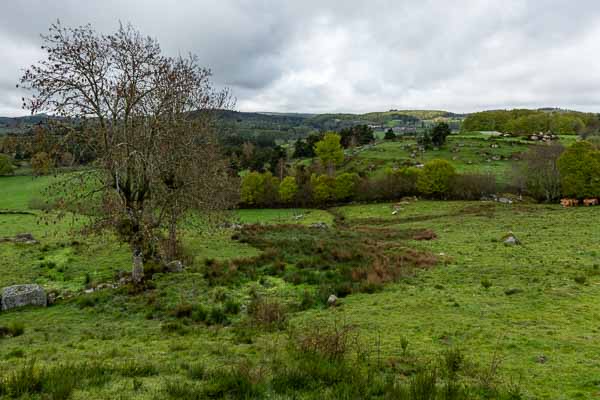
{"x":553,"y":316}
{"x":472,"y":152}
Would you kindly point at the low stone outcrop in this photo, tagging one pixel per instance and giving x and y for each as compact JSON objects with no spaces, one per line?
{"x":23,"y":295}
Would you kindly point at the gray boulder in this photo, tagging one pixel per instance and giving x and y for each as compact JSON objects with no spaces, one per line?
{"x":23,"y":295}
{"x":175,"y":266}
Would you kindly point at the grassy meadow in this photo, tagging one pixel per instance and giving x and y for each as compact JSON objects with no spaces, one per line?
{"x":441,"y":280}
{"x":470,"y":152}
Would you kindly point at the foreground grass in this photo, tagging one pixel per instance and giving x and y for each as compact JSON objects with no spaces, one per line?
{"x":533,"y":307}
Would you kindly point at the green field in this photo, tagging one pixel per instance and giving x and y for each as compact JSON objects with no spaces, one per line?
{"x":471,"y":152}
{"x":534,"y":306}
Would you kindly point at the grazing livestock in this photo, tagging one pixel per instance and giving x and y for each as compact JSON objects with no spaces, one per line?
{"x":590,"y":202}
{"x":569,"y":202}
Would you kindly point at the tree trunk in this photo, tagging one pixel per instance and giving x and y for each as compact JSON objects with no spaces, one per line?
{"x":173,"y":238}
{"x":137,"y":272}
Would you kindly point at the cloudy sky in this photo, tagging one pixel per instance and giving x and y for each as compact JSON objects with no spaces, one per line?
{"x":347,"y":55}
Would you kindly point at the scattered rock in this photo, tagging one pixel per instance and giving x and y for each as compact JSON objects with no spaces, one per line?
{"x":21,"y":238}
{"x":332,"y":300}
{"x":23,"y":295}
{"x":542,"y":359}
{"x":504,"y":200}
{"x":511,"y":240}
{"x":298,"y":217}
{"x":175,"y":266}
{"x":319,"y":225}
{"x":25,"y":238}
{"x":52,"y":297}
{"x":395,"y":212}
{"x":137,"y":273}
{"x":231,"y":225}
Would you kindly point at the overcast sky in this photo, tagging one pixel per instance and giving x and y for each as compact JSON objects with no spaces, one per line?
{"x":349,"y":56}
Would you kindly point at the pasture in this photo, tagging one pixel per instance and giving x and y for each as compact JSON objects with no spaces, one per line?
{"x":529,"y":311}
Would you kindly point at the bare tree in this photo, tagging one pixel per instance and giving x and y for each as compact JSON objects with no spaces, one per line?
{"x":538,"y":173}
{"x":150,"y":120}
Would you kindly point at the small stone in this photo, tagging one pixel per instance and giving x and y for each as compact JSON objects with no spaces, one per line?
{"x":511,"y":240}
{"x":332,"y":300}
{"x":542,"y":359}
{"x":319,"y":225}
{"x":175,"y":266}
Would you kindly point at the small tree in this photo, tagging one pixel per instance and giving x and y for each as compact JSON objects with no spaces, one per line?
{"x":259,"y":189}
{"x":6,"y":167}
{"x":288,"y":189}
{"x":41,"y":163}
{"x":329,"y":151}
{"x":538,"y":174}
{"x":389,"y":134}
{"x":439,"y":134}
{"x":435,"y":179}
{"x":579,"y":168}
{"x":322,"y":188}
{"x":253,"y":188}
{"x":345,"y":186}
{"x":424,"y":139}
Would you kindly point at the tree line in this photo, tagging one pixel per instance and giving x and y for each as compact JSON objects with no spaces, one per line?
{"x":527,"y":122}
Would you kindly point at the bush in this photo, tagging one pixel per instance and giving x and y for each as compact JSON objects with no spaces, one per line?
{"x":267,"y":313}
{"x":182,"y":310}
{"x":238,"y":382}
{"x":579,"y":168}
{"x":473,"y":186}
{"x":393,"y":185}
{"x":436,"y":179}
{"x":323,"y":188}
{"x":288,"y":189}
{"x":217,"y":316}
{"x":174,"y":327}
{"x":439,"y":134}
{"x":259,"y":189}
{"x":232,"y":307}
{"x":14,"y":329}
{"x":389,"y":134}
{"x":6,"y":167}
{"x":345,"y":186}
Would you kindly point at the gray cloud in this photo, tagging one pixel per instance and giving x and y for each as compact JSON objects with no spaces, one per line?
{"x":349,"y":55}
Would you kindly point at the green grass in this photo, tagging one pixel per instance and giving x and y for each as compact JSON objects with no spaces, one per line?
{"x":469,"y":153}
{"x":17,"y":191}
{"x":534,"y":305}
